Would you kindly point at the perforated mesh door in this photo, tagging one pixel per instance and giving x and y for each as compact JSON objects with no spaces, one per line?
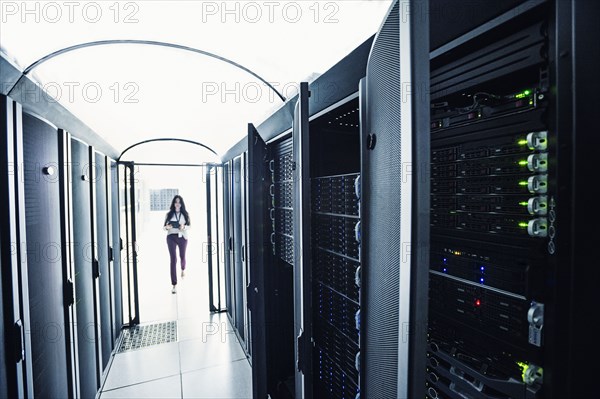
{"x":44,"y":266}
{"x":84,"y":281}
{"x":102,"y":243}
{"x":381,"y":215}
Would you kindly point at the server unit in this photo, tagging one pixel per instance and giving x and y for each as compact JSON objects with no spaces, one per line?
{"x":335,"y":247}
{"x":326,"y":349}
{"x":500,"y":204}
{"x":303,"y":212}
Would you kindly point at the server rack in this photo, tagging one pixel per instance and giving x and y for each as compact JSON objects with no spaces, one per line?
{"x":502,"y":136}
{"x":115,"y":250}
{"x":103,"y":255}
{"x":290,"y":276}
{"x":334,"y":251}
{"x":86,"y":268}
{"x":280,"y":300}
{"x":17,"y":376}
{"x":50,"y":324}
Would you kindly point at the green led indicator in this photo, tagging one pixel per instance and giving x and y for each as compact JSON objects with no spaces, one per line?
{"x":524,"y":367}
{"x":523,"y":162}
{"x":522,"y":183}
{"x":522,"y":142}
{"x":523,"y":203}
{"x":523,"y":224}
{"x":523,"y":94}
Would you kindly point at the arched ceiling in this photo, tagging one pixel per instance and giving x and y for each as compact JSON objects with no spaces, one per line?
{"x":128,"y":93}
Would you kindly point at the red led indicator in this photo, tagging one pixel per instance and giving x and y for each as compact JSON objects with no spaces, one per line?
{"x":477,"y":302}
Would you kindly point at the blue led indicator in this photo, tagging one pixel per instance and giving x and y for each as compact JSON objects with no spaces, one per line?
{"x":445,"y":260}
{"x":445,"y":270}
{"x":482,"y":268}
{"x":481,"y":280}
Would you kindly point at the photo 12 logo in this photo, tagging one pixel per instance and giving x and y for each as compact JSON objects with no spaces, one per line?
{"x":89,"y":92}
{"x":69,"y":11}
{"x":270,"y":11}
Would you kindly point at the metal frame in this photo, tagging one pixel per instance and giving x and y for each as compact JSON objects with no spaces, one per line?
{"x":142,"y":42}
{"x":132,"y":277}
{"x":67,"y":256}
{"x":257,"y":152}
{"x":110,"y":249}
{"x":165,"y":139}
{"x":213,"y":240}
{"x":302,"y":246}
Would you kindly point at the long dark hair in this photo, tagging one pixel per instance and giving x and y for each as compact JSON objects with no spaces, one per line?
{"x":182,"y":210}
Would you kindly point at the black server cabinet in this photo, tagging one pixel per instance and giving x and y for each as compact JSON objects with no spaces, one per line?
{"x":502,"y":179}
{"x":271,"y":258}
{"x":237,"y":202}
{"x":258,"y":251}
{"x":334,"y":251}
{"x":228,"y":232}
{"x":86,"y":270}
{"x":116,"y":250}
{"x":16,"y":372}
{"x":48,"y":297}
{"x":103,"y":256}
{"x":280,"y":300}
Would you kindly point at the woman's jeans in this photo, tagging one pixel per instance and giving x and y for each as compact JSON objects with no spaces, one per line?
{"x":173,"y":240}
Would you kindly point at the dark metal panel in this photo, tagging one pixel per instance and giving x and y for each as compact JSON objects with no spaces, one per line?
{"x":381,"y":243}
{"x":46,"y":296}
{"x":238,"y":269}
{"x":244,"y":249}
{"x":585,"y":92}
{"x":124,"y":240}
{"x":19,"y":373}
{"x":3,"y":336}
{"x":420,"y":104}
{"x":220,"y":238}
{"x":302,"y":246}
{"x":116,"y":250}
{"x":227,"y":235}
{"x":576,"y":59}
{"x":66,"y":221}
{"x":93,"y":176}
{"x":209,"y":216}
{"x":257,"y":245}
{"x":450,"y":19}
{"x":84,"y":278}
{"x":132,"y":243}
{"x":103,"y":256}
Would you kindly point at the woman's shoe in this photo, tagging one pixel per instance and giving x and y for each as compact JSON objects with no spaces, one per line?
{"x":174,"y":290}
{"x":182,"y":273}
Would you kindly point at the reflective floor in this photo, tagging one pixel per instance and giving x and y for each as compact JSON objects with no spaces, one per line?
{"x":206,"y":361}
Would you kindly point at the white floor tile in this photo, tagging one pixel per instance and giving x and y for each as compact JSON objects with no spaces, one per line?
{"x":231,"y":381}
{"x":163,"y":388}
{"x":143,"y":365}
{"x":212,"y":350}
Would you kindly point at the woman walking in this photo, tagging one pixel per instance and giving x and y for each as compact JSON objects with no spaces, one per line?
{"x":177,"y":221}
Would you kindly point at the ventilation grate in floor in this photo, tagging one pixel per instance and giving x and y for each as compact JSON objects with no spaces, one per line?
{"x":148,"y":335}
